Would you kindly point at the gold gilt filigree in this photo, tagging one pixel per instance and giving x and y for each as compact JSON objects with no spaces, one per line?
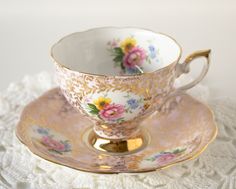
{"x":145,"y":85}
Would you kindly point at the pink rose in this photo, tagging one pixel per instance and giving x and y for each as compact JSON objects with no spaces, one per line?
{"x":165,"y":158}
{"x":134,"y":57}
{"x":52,"y":144}
{"x":112,"y":112}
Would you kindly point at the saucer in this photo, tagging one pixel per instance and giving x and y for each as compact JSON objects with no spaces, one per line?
{"x":55,"y":131}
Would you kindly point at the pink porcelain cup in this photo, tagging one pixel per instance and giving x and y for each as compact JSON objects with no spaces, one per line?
{"x":118,"y":76}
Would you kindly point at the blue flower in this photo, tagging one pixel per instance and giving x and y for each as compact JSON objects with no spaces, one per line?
{"x":133,"y":103}
{"x":151,"y":48}
{"x":42,"y":131}
{"x":152,"y":51}
{"x":132,"y":70}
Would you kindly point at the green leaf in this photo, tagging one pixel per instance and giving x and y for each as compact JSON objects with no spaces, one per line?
{"x":55,"y":151}
{"x":120,"y":120}
{"x":92,"y":106}
{"x":122,"y":66}
{"x":118,"y":51}
{"x":118,"y":58}
{"x":117,"y":64}
{"x":99,"y":117}
{"x":93,"y":109}
{"x":149,"y":61}
{"x":94,"y":112}
{"x":176,"y":151}
{"x":151,"y":159}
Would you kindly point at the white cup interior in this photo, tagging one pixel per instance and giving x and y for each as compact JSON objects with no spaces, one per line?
{"x":116,"y":51}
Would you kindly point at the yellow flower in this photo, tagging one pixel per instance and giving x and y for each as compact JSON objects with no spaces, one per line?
{"x":128,"y":44}
{"x":101,"y":102}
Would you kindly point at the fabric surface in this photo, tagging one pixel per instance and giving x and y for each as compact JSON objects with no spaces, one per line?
{"x":19,"y":168}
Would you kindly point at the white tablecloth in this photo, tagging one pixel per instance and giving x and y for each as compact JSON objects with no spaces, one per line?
{"x":19,"y":168}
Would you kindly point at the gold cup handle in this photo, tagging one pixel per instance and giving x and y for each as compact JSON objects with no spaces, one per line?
{"x":184,"y":68}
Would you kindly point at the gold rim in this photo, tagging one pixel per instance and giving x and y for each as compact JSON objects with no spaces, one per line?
{"x":195,"y":155}
{"x":116,"y":76}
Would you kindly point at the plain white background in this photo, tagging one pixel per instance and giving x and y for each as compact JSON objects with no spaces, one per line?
{"x":28,"y":28}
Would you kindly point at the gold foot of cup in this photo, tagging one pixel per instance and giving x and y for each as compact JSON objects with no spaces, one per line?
{"x":116,"y":147}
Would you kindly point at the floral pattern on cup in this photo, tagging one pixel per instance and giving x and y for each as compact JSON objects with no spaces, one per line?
{"x":129,"y":56}
{"x":163,"y":158}
{"x":105,"y":109}
{"x":53,"y":145}
{"x":133,"y":103}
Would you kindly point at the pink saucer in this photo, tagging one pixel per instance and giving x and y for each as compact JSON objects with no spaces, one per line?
{"x":55,"y":131}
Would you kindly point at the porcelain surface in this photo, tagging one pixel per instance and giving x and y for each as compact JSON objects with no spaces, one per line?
{"x":116,"y":76}
{"x":52,"y":129}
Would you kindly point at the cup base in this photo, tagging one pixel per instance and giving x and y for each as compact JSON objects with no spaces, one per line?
{"x":116,"y":147}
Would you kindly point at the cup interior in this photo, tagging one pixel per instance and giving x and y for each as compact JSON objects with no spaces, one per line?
{"x":116,"y":51}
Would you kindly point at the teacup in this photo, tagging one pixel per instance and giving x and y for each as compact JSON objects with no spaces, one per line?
{"x":118,"y":76}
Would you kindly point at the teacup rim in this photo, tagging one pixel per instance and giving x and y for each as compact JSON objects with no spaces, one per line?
{"x":115,"y":76}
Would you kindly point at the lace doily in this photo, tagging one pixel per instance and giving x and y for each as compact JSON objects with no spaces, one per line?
{"x":19,"y":168}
